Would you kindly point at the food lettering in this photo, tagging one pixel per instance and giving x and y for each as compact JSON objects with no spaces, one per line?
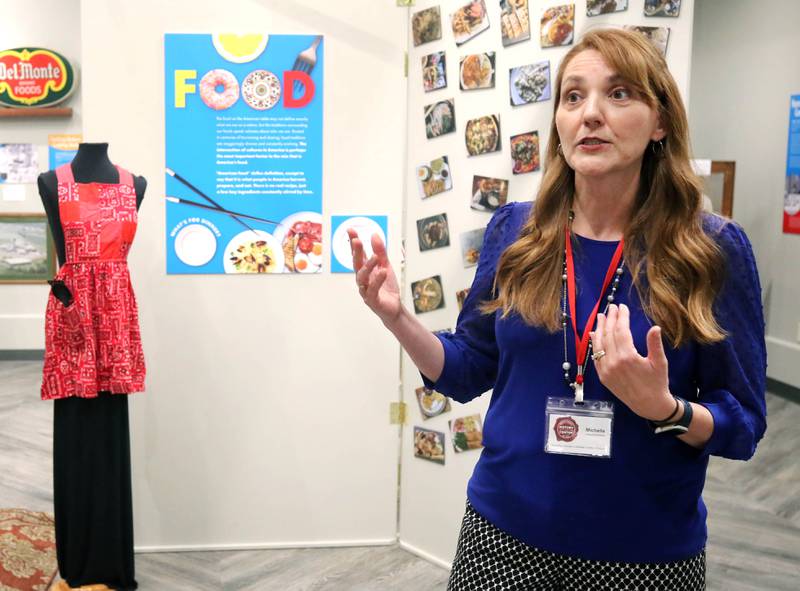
{"x":184,"y":87}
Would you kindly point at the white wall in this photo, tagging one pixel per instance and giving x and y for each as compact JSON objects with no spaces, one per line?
{"x":745,"y":66}
{"x":266,"y":416}
{"x":432,"y":496}
{"x":52,"y":24}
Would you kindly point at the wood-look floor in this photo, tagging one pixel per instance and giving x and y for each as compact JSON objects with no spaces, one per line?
{"x":754,"y":523}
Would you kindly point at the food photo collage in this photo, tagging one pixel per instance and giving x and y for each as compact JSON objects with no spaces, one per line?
{"x":497,"y":54}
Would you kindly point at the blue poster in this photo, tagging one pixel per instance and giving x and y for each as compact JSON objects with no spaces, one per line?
{"x":61,"y":149}
{"x":791,"y":196}
{"x":243,"y":153}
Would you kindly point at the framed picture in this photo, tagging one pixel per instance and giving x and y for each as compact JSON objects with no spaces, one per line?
{"x":27,"y":253}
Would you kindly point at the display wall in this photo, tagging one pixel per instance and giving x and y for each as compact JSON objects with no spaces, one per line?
{"x":433,"y":494}
{"x":265,"y":420}
{"x":55,"y":25}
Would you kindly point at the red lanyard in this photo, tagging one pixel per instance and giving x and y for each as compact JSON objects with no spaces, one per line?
{"x":582,"y":343}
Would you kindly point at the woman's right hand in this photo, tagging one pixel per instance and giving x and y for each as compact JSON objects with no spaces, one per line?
{"x":377,"y":283}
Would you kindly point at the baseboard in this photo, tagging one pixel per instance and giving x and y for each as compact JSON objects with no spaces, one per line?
{"x":264,"y":546}
{"x":21,"y":354}
{"x":422,"y":554}
{"x":783,"y":359}
{"x":785,"y":391}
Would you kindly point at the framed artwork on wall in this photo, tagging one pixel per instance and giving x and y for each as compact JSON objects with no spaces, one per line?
{"x":27,"y":254}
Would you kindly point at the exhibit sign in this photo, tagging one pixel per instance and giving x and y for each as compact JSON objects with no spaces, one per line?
{"x":61,"y":148}
{"x":34,"y":77}
{"x":243,"y":153}
{"x":791,"y":195}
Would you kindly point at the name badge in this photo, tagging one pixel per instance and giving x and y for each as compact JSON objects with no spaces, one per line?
{"x":578,"y":429}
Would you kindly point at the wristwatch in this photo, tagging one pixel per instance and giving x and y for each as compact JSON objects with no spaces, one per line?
{"x":675,"y":428}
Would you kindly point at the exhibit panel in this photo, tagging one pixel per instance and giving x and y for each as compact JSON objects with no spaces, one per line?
{"x":480,"y":104}
{"x":265,"y":417}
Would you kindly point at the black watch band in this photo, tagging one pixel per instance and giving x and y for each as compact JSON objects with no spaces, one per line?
{"x":680,"y":427}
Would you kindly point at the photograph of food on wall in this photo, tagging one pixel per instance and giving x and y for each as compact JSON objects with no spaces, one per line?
{"x":529,"y":83}
{"x":434,"y":177}
{"x":433,"y":232}
{"x":515,"y":23}
{"x":525,"y":152}
{"x":482,"y":135}
{"x":426,"y":25}
{"x":477,"y":71}
{"x":469,"y":20}
{"x":440,"y":118}
{"x":434,"y":71}
{"x":488,"y":194}
{"x":558,"y":26}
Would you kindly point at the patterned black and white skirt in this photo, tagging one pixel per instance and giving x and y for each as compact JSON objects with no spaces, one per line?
{"x":488,"y":559}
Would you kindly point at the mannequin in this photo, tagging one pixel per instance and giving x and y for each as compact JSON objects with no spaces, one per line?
{"x":90,"y":165}
{"x":91,"y":438}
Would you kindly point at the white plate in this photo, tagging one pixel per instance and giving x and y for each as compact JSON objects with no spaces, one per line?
{"x":195,"y":245}
{"x":248,"y":236}
{"x":365,"y":228}
{"x":286,"y":225}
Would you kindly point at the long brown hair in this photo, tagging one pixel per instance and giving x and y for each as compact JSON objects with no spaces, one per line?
{"x":664,"y":238}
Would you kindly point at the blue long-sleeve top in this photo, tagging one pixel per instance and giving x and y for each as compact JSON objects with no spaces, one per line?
{"x":643,"y":504}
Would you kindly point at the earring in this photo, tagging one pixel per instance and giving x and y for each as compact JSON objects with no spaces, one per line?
{"x":559,"y":150}
{"x":660,"y":151}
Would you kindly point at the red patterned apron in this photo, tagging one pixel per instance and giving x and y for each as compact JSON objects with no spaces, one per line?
{"x":93,"y":345}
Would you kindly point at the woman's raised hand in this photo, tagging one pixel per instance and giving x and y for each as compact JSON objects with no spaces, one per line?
{"x":377,"y":283}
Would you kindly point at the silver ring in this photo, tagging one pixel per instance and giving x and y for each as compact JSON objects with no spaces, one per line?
{"x":598,"y":354}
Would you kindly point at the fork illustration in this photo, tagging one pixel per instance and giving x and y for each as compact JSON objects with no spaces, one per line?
{"x":305,"y":62}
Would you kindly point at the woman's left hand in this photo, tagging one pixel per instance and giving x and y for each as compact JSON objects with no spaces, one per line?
{"x":642,"y":383}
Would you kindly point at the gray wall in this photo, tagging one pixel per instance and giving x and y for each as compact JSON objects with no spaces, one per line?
{"x":745,"y":65}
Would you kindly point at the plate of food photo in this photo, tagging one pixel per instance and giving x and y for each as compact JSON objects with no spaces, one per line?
{"x":426,"y":25}
{"x":440,"y":118}
{"x":300,"y":237}
{"x":558,"y":26}
{"x":431,"y":402}
{"x":482,"y":135}
{"x":477,"y":71}
{"x":433,"y":232}
{"x":427,"y":294}
{"x":469,"y":20}
{"x":525,"y":152}
{"x":253,"y":251}
{"x":529,"y":83}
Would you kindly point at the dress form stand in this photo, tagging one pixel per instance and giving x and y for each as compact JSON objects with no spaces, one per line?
{"x":91,"y":439}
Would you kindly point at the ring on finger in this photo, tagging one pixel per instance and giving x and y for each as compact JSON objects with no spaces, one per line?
{"x":598,"y":354}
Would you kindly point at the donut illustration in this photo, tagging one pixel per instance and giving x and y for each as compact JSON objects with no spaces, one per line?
{"x":261,"y":89}
{"x":214,"y":98}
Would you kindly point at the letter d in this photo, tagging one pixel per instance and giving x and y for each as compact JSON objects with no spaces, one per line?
{"x":289,"y":78}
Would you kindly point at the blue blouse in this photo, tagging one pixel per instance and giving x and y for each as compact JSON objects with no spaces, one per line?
{"x":643,"y":504}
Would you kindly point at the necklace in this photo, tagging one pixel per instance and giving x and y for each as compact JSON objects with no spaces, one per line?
{"x":577,"y":384}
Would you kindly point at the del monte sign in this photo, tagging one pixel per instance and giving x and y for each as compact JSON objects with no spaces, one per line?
{"x":34,"y":77}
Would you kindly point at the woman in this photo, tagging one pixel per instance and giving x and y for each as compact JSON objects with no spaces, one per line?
{"x":604,"y":494}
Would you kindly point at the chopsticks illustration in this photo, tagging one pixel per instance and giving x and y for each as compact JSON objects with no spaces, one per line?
{"x":216,"y":205}
{"x":233,"y":214}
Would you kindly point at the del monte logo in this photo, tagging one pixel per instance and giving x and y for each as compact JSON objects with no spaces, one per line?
{"x":34,"y":77}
